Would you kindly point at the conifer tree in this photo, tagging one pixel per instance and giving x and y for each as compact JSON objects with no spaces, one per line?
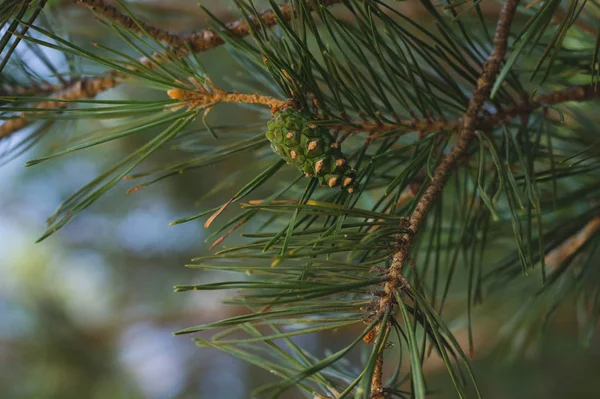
{"x":405,"y":174}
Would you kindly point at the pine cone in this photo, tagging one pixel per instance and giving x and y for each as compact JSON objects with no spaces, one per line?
{"x":310,"y":148}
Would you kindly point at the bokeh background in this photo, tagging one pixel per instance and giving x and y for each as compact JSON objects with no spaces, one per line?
{"x":89,"y":312}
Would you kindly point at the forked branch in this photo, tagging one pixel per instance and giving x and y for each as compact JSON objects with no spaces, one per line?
{"x":440,"y":175}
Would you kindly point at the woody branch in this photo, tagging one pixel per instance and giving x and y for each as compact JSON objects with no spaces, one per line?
{"x":395,"y":279}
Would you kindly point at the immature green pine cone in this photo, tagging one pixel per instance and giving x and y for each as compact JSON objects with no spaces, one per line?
{"x":310,"y":148}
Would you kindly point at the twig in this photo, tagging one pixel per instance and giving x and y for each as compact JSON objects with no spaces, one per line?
{"x":576,"y":94}
{"x":36,"y":89}
{"x":207,"y":97}
{"x":469,"y":124}
{"x":571,"y":94}
{"x":377,"y":388}
{"x":377,"y":128}
{"x":204,"y":40}
{"x":83,"y":88}
{"x":112,"y":13}
{"x":558,"y":255}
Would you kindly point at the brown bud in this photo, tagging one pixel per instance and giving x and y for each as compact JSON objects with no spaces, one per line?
{"x":312,"y":145}
{"x":332,"y":182}
{"x":370,"y":337}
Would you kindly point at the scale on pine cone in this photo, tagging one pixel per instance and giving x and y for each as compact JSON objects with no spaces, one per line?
{"x":310,"y":148}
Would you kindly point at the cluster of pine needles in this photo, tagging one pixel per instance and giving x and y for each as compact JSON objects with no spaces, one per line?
{"x":472,"y":133}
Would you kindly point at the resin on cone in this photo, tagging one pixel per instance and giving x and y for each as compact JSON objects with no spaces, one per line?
{"x":310,"y":148}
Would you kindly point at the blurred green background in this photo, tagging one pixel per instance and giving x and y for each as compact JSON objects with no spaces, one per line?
{"x":88,"y":313}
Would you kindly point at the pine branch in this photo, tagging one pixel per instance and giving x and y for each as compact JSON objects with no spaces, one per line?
{"x":557,"y":256}
{"x":33,"y":90}
{"x":467,"y":133}
{"x":206,"y":98}
{"x":204,"y":40}
{"x":369,"y":244}
{"x":581,"y":93}
{"x":113,"y":14}
{"x":83,"y":88}
{"x":469,"y":123}
{"x":575,"y":94}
